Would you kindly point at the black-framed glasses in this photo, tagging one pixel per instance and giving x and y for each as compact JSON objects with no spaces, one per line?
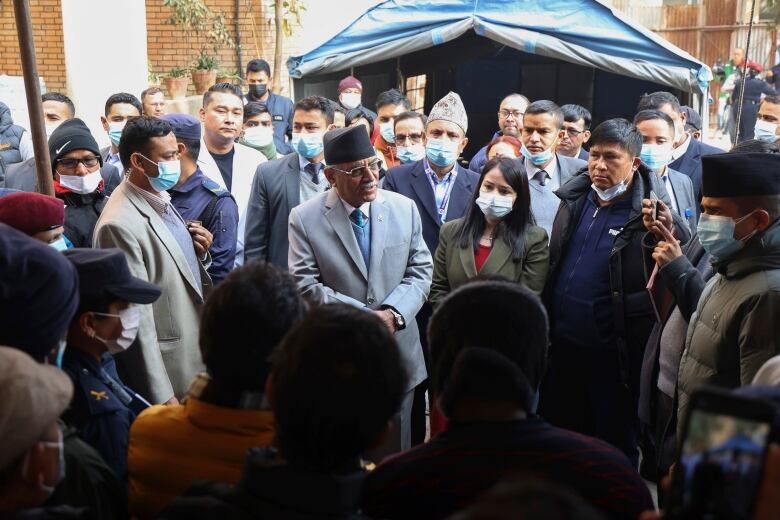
{"x":414,"y":138}
{"x":516,"y":114}
{"x":359,"y":171}
{"x":573,"y":132}
{"x":70,"y":163}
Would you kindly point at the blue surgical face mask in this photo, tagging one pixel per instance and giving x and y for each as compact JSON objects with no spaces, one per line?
{"x":168,"y":173}
{"x":60,"y":352}
{"x":309,"y":145}
{"x":115,"y":131}
{"x":59,"y":244}
{"x":716,"y":234}
{"x":656,"y":156}
{"x":495,"y":206}
{"x":537,"y":159}
{"x":766,"y":131}
{"x":612,"y":192}
{"x":441,"y":152}
{"x":387,"y":132}
{"x":407,"y":154}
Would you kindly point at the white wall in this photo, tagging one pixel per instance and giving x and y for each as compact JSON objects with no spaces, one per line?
{"x":105,"y":53}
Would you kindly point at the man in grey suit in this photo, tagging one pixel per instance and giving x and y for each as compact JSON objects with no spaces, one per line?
{"x":547,"y":170}
{"x":160,"y":248}
{"x":363,"y":246}
{"x":657,"y":130}
{"x":282,"y":184}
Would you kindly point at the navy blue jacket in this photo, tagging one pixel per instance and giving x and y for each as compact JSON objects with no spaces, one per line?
{"x":191,"y":199}
{"x":281,"y":109}
{"x":102,"y":417}
{"x":411,"y":180}
{"x":690,"y":163}
{"x":480,"y":158}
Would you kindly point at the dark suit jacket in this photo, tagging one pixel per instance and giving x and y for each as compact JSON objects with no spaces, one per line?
{"x":685,"y":197}
{"x":21,"y":176}
{"x":275,"y":191}
{"x":690,"y":164}
{"x":410,"y":180}
{"x":454,"y":265}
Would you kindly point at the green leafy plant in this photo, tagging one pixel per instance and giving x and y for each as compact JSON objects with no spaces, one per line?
{"x":206,"y":62}
{"x":152,"y":77}
{"x":195,"y":17}
{"x":178,"y":72}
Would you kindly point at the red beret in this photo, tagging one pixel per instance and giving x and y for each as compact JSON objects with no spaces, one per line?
{"x":350,"y":82}
{"x":31,"y":212}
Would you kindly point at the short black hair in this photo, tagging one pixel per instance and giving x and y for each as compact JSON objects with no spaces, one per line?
{"x":243,"y":320}
{"x":193,"y":147}
{"x":409,"y":114}
{"x":618,"y":131}
{"x":337,"y":380}
{"x":136,"y":135}
{"x":254,"y":108}
{"x":573,"y":113}
{"x":225,"y":88}
{"x":650,"y":115}
{"x":755,"y":145}
{"x":360,"y":113}
{"x":393,"y":97}
{"x":123,"y":97}
{"x":320,"y":103}
{"x":545,"y":106}
{"x":657,"y":100}
{"x":500,"y":316}
{"x":60,"y":98}
{"x":258,"y":65}
{"x":772,"y":100}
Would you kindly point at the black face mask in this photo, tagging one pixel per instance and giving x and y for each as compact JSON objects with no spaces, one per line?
{"x":257,"y":90}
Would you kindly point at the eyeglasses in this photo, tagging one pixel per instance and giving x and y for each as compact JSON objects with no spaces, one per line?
{"x":414,"y":138}
{"x":516,"y":114}
{"x":72,"y":164}
{"x":573,"y":132}
{"x":359,"y":171}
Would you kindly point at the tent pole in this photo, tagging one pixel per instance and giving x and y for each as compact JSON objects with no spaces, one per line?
{"x":744,"y":74}
{"x":32,"y":90}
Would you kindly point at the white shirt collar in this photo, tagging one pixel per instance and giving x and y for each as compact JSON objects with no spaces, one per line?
{"x":365,"y":208}
{"x":303,"y":161}
{"x":680,"y":150}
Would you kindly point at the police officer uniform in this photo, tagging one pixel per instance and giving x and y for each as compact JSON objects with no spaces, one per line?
{"x":201,"y":198}
{"x":754,"y":88}
{"x":281,"y":109}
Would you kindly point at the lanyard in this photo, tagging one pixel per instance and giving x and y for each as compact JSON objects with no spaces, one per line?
{"x":449,"y":179}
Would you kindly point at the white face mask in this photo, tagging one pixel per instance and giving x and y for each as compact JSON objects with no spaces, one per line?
{"x":350,"y":100}
{"x":259,"y":136}
{"x":59,"y":445}
{"x":130,"y":318}
{"x":83,"y":185}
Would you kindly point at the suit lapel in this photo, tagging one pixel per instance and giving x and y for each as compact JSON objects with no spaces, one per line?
{"x":292,"y":181}
{"x":466,"y":257}
{"x":422,"y":187}
{"x":209,"y":166}
{"x":166,"y":239}
{"x":499,"y":255}
{"x":339,"y":220}
{"x":460,"y":196}
{"x":378,"y":235}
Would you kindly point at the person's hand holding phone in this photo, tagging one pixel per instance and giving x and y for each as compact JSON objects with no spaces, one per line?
{"x":667,"y":249}
{"x":201,"y":238}
{"x":661,"y":212}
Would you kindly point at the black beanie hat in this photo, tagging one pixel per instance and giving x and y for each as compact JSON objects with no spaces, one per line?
{"x":740,"y":174}
{"x":346,"y":145}
{"x":71,"y":135}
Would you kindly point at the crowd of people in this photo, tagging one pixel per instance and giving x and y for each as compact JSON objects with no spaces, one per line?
{"x":309,"y":309}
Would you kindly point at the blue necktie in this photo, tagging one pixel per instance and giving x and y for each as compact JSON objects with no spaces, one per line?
{"x":361,"y":233}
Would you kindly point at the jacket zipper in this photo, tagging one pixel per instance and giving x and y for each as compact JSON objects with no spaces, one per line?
{"x":579,"y":257}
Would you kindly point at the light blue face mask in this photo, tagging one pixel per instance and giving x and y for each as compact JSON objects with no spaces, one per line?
{"x":115,"y":132}
{"x":656,"y":156}
{"x":309,"y":145}
{"x":537,"y":159}
{"x":407,"y":154}
{"x":716,"y":234}
{"x":60,"y":352}
{"x":387,"y":132}
{"x":765,"y":131}
{"x":59,"y":244}
{"x":441,"y":152}
{"x":168,"y":173}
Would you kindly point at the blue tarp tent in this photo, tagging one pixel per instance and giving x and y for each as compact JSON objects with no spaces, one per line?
{"x":582,"y":32}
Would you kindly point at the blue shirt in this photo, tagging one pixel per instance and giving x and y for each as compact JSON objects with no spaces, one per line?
{"x":582,"y":301}
{"x":191,"y":199}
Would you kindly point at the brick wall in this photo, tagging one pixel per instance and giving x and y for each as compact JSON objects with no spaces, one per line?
{"x":168,"y":45}
{"x":47,"y":32}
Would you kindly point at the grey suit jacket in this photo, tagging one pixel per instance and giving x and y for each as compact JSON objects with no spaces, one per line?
{"x":326,"y":262}
{"x":685,"y":197}
{"x":275,"y":191}
{"x":165,"y":356}
{"x":567,"y":166}
{"x":21,"y":176}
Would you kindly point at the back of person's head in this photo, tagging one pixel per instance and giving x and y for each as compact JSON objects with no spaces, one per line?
{"x":122,"y":97}
{"x":360,"y":113}
{"x":337,"y":381}
{"x":657,"y":100}
{"x":755,"y":145}
{"x":136,"y":135}
{"x":60,"y":98}
{"x":243,"y":320}
{"x":573,"y":113}
{"x":225,"y":88}
{"x":529,"y":500}
{"x":618,"y":131}
{"x":258,"y":65}
{"x":393,"y":97}
{"x":324,"y":105}
{"x":490,"y":317}
{"x":512,"y":141}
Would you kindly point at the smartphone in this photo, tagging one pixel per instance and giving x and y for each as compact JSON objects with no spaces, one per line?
{"x":654,"y":199}
{"x":721,"y":456}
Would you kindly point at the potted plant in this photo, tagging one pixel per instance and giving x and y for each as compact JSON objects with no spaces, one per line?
{"x":152,"y":77}
{"x":204,"y":74}
{"x":227,"y":76}
{"x":177,"y":82}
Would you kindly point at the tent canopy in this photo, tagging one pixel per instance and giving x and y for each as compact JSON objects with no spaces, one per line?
{"x":583,"y":32}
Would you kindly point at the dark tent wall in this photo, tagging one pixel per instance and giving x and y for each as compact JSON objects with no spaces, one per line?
{"x":483,"y":72}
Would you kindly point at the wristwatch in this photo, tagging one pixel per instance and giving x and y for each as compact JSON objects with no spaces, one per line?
{"x":400,"y":323}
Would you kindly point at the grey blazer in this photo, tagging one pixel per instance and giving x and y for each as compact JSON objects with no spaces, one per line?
{"x":326,"y":262}
{"x":21,"y":176}
{"x":165,"y":356}
{"x":275,"y":191}
{"x":567,"y":166}
{"x":684,"y":196}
